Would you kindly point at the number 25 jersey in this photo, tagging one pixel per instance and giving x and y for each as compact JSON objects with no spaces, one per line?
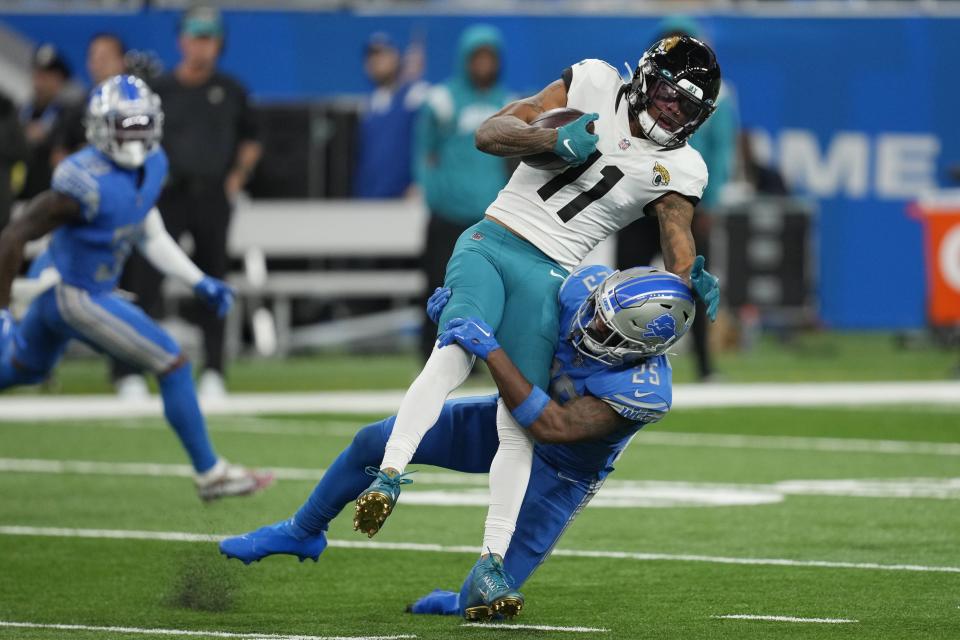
{"x":566,"y":212}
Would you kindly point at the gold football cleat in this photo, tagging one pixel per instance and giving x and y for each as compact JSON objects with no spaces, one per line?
{"x":372,"y":511}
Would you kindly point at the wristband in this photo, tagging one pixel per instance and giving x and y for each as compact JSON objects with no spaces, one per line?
{"x":530,"y":409}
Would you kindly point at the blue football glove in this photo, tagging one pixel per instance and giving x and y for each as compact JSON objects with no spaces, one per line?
{"x":574,"y":142}
{"x":216,"y":293}
{"x":707,"y":286}
{"x":7,"y":324}
{"x":436,"y":303}
{"x":472,"y":334}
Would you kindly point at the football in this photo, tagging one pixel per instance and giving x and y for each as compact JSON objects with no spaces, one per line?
{"x":553,"y":119}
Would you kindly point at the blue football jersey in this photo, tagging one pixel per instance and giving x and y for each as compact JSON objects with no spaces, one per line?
{"x":640,"y":392}
{"x":90,"y":254}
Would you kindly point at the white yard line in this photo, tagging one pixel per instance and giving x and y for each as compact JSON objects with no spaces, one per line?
{"x":178,"y":536}
{"x":797,"y":443}
{"x":532,"y":627}
{"x":183,"y":632}
{"x":154,"y":469}
{"x":785,"y":619}
{"x":615,"y":494}
{"x":685,"y":396}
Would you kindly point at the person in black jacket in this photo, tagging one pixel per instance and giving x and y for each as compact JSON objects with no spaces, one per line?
{"x":210,"y":135}
{"x":13,"y":150}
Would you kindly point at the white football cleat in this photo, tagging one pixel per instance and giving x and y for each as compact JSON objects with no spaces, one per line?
{"x":211,"y":386}
{"x":225,"y":479}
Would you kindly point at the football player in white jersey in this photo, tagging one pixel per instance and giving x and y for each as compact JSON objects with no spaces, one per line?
{"x":507,"y":269}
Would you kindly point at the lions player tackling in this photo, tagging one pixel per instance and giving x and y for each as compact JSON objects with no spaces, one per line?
{"x":99,"y":207}
{"x":507,"y":269}
{"x":610,"y":378}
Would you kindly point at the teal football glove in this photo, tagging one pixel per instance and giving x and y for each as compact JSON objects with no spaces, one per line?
{"x":473,"y":334}
{"x":574,"y":142}
{"x":707,"y":286}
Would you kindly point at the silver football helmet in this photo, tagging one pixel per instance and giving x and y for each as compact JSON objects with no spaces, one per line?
{"x":124,"y":120}
{"x":635,"y":313}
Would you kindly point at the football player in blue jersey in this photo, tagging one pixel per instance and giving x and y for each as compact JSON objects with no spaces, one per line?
{"x":610,"y":377}
{"x":99,"y":207}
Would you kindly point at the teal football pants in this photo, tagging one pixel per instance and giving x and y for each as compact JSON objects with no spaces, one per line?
{"x":511,"y":285}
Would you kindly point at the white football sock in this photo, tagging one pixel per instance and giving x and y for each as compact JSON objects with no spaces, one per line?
{"x":446,"y":369}
{"x":509,"y":475}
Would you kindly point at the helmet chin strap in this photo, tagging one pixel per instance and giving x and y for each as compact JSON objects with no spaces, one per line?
{"x":654,"y":131}
{"x":648,"y":127}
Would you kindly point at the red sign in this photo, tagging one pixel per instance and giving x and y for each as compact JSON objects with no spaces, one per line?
{"x":941,"y":231}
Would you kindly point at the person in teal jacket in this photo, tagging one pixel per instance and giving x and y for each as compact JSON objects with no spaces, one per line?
{"x":716,"y":141}
{"x":458,"y":181}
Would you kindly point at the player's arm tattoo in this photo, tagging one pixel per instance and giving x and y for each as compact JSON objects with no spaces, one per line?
{"x":585,"y":418}
{"x":508,"y":132}
{"x":675,"y":215}
{"x":43,"y":214}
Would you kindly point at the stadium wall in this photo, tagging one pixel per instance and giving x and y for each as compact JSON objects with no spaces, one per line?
{"x":857,"y":112}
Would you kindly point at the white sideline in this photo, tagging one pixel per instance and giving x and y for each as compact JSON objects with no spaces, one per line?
{"x":784,"y":619}
{"x":532,"y":627}
{"x":685,"y":396}
{"x":180,"y":536}
{"x":183,"y":632}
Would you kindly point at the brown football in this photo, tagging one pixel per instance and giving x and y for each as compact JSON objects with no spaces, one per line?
{"x":553,"y":119}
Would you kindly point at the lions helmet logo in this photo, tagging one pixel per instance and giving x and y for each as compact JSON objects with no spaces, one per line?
{"x":661,"y":177}
{"x":663,"y":327}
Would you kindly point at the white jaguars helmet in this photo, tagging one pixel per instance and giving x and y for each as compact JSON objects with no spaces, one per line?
{"x":635,"y":313}
{"x":124,"y":120}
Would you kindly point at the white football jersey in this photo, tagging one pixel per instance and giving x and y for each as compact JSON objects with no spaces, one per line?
{"x":566,"y":212}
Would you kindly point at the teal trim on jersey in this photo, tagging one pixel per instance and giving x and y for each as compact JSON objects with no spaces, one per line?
{"x":511,"y":285}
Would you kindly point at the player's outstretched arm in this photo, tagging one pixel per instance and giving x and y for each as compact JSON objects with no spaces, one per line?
{"x":585,"y":418}
{"x":163,"y":252}
{"x":43,"y":214}
{"x":508,"y":132}
{"x":675,"y":214}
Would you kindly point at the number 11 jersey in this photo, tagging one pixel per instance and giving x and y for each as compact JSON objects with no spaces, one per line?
{"x":566,"y":212}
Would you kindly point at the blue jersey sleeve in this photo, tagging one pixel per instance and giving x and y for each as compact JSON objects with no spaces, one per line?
{"x":72,"y":179}
{"x":641,"y":393}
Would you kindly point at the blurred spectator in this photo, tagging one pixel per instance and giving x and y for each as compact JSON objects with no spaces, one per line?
{"x":457,"y":180}
{"x":13,"y":150}
{"x":761,"y":178}
{"x":716,"y":140}
{"x":52,"y":94}
{"x":210,"y":136}
{"x":386,"y":122}
{"x":105,"y":58}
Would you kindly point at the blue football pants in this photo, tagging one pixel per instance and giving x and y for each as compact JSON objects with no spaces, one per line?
{"x":463,"y":439}
{"x":113,"y":325}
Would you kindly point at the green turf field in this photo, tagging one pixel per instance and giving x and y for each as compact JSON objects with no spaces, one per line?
{"x":809,"y":357}
{"x":793,"y":508}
